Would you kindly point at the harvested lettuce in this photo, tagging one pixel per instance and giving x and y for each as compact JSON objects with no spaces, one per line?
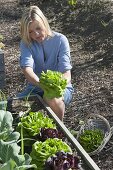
{"x":53,"y":84}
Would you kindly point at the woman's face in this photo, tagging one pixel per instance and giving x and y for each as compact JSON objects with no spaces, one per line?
{"x":37,"y":31}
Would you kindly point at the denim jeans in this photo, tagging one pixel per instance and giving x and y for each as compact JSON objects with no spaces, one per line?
{"x":33,"y":91}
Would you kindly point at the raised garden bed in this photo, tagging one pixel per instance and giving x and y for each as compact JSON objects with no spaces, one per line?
{"x":18,"y":106}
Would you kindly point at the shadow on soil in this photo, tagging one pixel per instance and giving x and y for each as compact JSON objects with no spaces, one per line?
{"x":92,"y":27}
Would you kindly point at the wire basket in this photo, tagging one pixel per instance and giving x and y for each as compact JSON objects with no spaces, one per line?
{"x":95,"y":121}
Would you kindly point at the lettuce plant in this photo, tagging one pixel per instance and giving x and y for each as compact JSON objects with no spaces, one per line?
{"x":53,"y":84}
{"x":33,"y":122}
{"x":41,"y":151}
{"x":62,"y":161}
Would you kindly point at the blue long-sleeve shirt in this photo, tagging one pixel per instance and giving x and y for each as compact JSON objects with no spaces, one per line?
{"x":52,"y":54}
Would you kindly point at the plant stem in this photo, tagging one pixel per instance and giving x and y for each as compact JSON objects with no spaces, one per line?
{"x":22,"y":141}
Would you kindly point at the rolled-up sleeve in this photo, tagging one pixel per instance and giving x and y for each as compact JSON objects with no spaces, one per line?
{"x":64,"y":58}
{"x":26,"y":58}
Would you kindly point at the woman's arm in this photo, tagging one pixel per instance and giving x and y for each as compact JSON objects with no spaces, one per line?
{"x":67,"y":76}
{"x":30,"y":75}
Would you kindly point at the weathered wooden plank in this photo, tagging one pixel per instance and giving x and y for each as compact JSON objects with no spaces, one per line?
{"x":88,"y":160}
{"x":2,"y":64}
{"x":2,"y":80}
{"x":2,"y":70}
{"x":21,"y":2}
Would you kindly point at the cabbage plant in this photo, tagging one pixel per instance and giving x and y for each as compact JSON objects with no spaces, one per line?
{"x":10,"y":159}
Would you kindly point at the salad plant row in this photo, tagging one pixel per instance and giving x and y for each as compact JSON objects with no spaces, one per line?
{"x":49,"y":150}
{"x":48,"y":142}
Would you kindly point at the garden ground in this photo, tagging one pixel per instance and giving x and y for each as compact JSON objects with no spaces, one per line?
{"x":90,"y":33}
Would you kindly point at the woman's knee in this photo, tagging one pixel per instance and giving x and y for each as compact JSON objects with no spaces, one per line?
{"x":54,"y":102}
{"x":58,"y":106}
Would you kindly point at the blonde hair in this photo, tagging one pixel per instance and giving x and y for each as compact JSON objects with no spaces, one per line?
{"x":33,"y":13}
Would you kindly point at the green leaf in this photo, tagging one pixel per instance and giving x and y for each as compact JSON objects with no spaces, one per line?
{"x":6,"y":120}
{"x":10,"y":150}
{"x":6,"y":130}
{"x":53,"y":84}
{"x":72,"y":2}
{"x":11,"y":165}
{"x":13,"y":136}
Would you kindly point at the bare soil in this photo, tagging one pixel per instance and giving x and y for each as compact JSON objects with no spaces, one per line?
{"x":90,"y":33}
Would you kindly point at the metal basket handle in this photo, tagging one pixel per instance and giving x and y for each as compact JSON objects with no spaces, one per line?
{"x":100,"y":117}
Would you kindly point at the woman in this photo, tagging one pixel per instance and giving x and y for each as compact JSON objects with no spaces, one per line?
{"x":41,"y":50}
